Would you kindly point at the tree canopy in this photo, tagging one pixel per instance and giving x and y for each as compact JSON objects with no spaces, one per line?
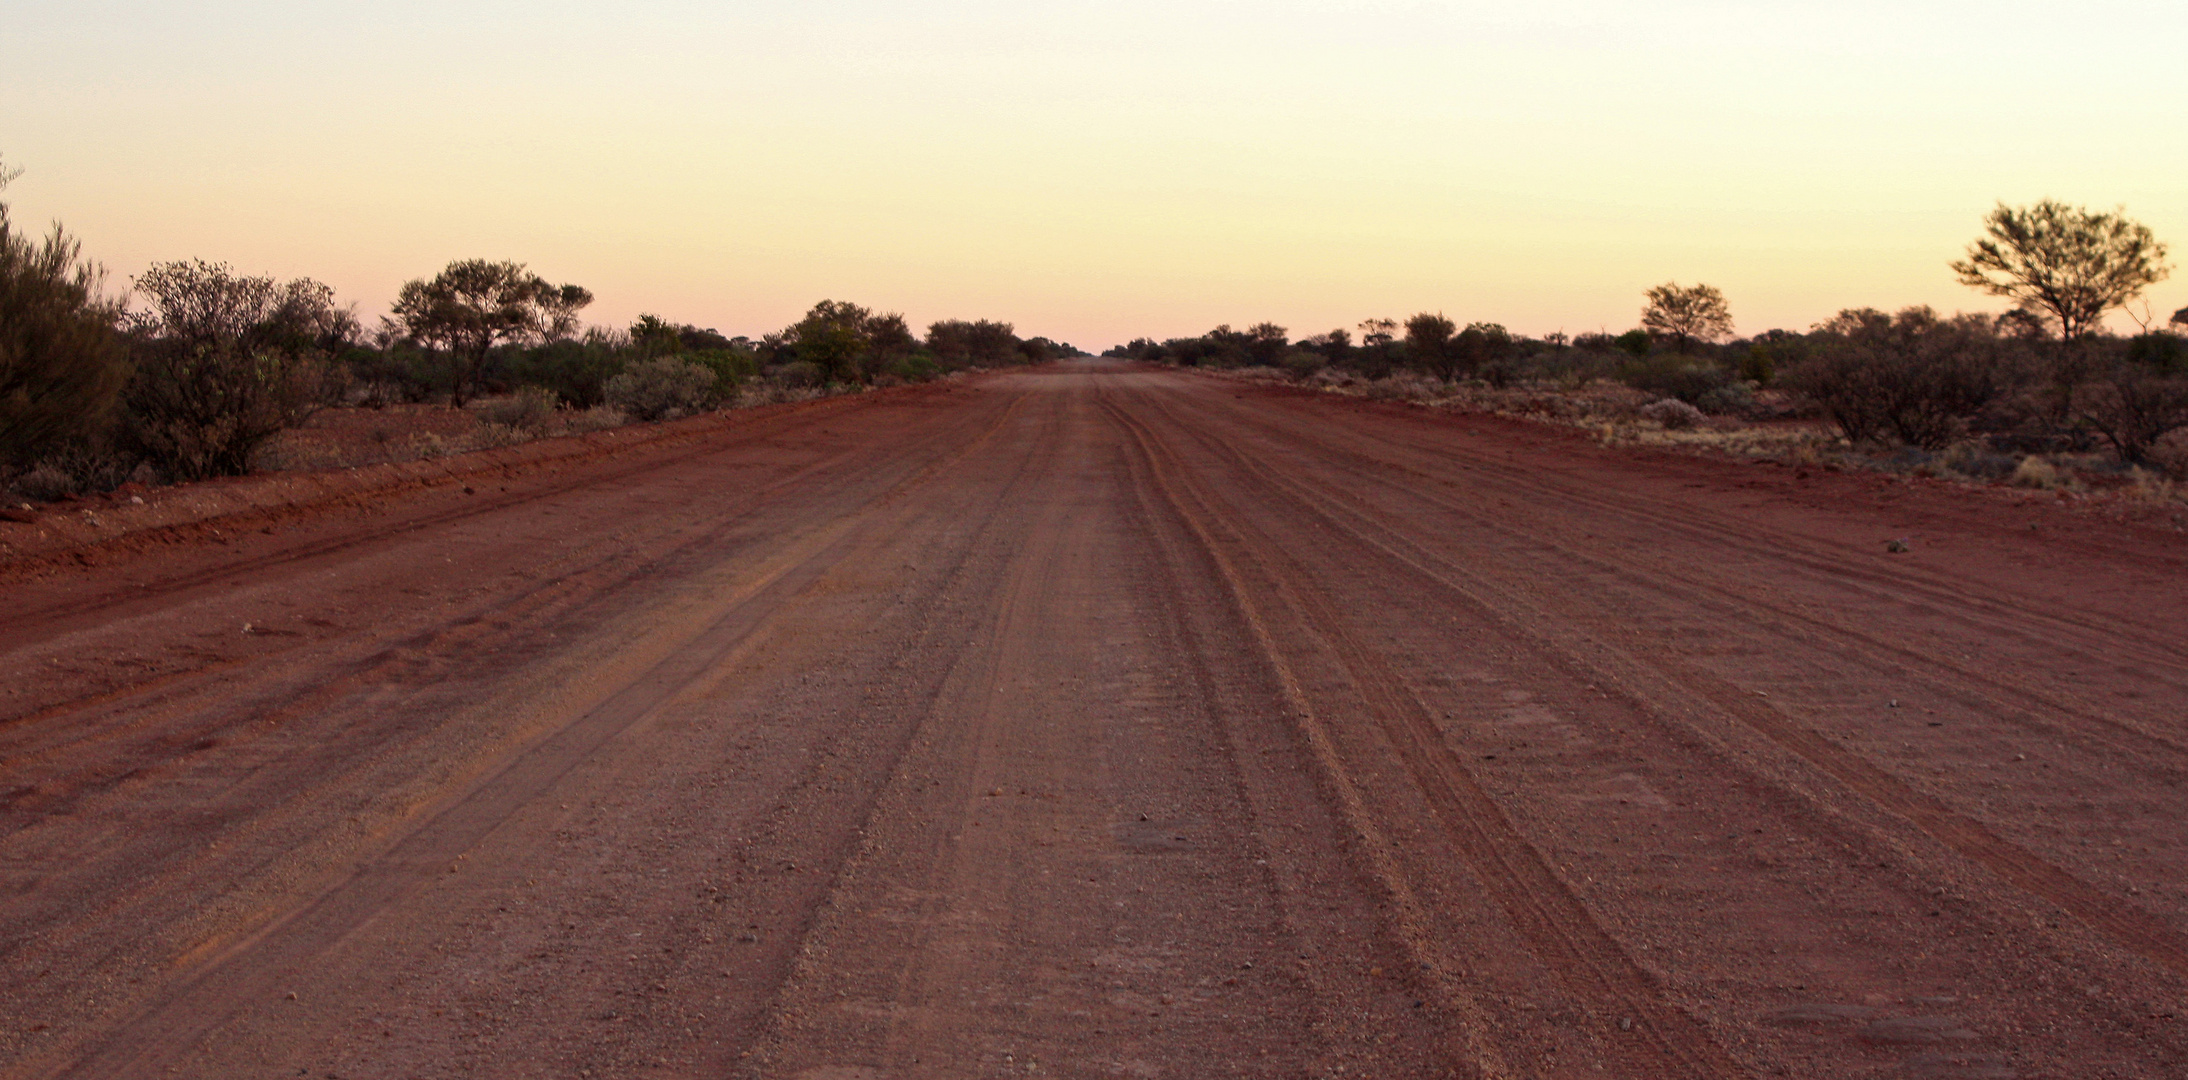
{"x":475,"y":304}
{"x":1683,"y":315}
{"x":2063,"y":264}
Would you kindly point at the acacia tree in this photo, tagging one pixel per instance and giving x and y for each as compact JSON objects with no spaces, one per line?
{"x":1686,"y":315}
{"x":475,"y":305}
{"x":2062,"y":263}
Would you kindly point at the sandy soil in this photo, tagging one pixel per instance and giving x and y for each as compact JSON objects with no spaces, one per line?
{"x":1093,"y":722}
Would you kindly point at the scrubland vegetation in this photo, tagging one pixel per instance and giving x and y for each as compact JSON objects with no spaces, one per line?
{"x":2039,"y":395}
{"x":195,"y":370}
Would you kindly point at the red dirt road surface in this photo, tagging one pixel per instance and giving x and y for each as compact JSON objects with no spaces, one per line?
{"x":1095,"y":722}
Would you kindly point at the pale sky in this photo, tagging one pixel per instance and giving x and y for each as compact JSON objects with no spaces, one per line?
{"x":1091,"y":171}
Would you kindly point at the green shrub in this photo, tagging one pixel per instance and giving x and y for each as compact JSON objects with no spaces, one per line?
{"x":917,"y":367}
{"x":1301,"y":364}
{"x":662,"y":389}
{"x":576,"y":369}
{"x":732,"y":368}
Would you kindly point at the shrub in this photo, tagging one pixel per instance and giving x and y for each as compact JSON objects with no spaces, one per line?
{"x":731,"y":367}
{"x":1732,"y":399}
{"x":916,"y":368}
{"x":576,"y":369}
{"x":2035,"y":472}
{"x":1915,"y":376}
{"x":1574,"y":368}
{"x":78,"y":468}
{"x":1301,"y":364}
{"x":225,"y":362}
{"x":1688,"y":378}
{"x":529,"y":410}
{"x":2143,"y":397}
{"x":798,"y":374}
{"x":1673,"y":414}
{"x":662,"y":389}
{"x":61,"y":362}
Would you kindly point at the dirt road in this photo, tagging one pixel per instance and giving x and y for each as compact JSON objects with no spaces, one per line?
{"x":1091,"y":722}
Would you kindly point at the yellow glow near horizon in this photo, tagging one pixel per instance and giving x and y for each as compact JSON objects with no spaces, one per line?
{"x":1097,"y":172}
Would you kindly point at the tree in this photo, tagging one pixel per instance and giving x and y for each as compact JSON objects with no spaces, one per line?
{"x":849,"y":343}
{"x":1481,"y":349}
{"x":1267,"y":341}
{"x":1378,"y":340}
{"x":1428,"y":345}
{"x":958,"y":343}
{"x":2062,"y":263}
{"x":224,"y":362}
{"x":475,"y":305}
{"x":1335,"y":346}
{"x":1686,"y":315}
{"x":2063,"y":267}
{"x":61,"y":363}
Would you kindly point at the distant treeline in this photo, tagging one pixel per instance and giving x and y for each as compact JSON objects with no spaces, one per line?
{"x":2043,"y":376}
{"x":191,"y":370}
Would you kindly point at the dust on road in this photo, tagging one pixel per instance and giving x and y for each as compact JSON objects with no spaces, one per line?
{"x":1102,"y":722}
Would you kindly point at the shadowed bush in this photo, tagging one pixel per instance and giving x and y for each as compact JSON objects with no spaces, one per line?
{"x":223,"y":363}
{"x":1915,"y":377}
{"x":61,"y":362}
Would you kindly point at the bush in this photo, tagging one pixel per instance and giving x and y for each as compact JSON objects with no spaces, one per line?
{"x":223,"y":363}
{"x":2143,"y":397}
{"x":61,"y":362}
{"x":1574,"y":368}
{"x":1731,"y":399}
{"x":1301,"y":364}
{"x":1673,"y":414}
{"x":731,"y":367}
{"x":76,"y":469}
{"x":529,"y":410}
{"x":577,"y":370}
{"x":798,"y":374}
{"x":662,"y":389}
{"x":1915,"y":376}
{"x":915,"y":368}
{"x":1688,"y":378}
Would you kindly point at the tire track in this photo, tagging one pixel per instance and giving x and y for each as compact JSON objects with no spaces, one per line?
{"x":1651,"y":1037}
{"x":2003,"y":616}
{"x":434,"y":839}
{"x":1980,"y":691}
{"x":1521,"y":617}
